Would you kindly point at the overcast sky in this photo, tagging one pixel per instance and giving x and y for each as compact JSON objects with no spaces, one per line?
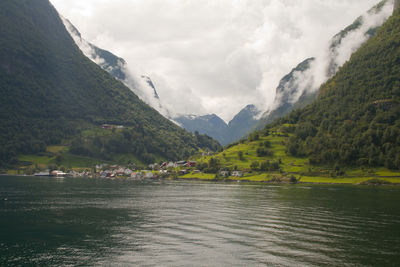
{"x":212,"y":56}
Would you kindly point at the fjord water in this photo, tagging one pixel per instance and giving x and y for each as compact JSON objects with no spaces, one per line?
{"x":49,"y":221}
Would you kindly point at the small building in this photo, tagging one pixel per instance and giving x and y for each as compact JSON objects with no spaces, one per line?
{"x":149,"y":175}
{"x":154,"y":166}
{"x":128,"y":172}
{"x":237,"y":174}
{"x":57,"y":173}
{"x":224,"y":173}
{"x":120,"y":171}
{"x":110,"y":175}
{"x":171,"y":165}
{"x":180,"y":163}
{"x":106,"y":126}
{"x":45,"y":173}
{"x":137,"y":175}
{"x":191,"y":163}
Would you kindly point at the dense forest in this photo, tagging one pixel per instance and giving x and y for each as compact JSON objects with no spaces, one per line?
{"x":356,"y":119}
{"x":50,"y":92}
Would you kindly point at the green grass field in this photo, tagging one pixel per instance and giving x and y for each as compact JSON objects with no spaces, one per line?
{"x":290,"y":166}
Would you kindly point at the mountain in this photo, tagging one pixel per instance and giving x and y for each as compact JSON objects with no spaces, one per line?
{"x":141,"y":85}
{"x":356,"y":117}
{"x":300,"y":86}
{"x":52,"y":94}
{"x":242,"y":123}
{"x":349,"y":134}
{"x":214,"y":126}
{"x":290,"y":92}
{"x":211,"y":125}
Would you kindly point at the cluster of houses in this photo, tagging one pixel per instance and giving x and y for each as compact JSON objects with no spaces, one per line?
{"x":156,"y":170}
{"x":114,"y":171}
{"x":122,"y":172}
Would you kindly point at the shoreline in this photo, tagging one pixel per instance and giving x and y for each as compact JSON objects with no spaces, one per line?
{"x":245,"y":181}
{"x":280,"y":183}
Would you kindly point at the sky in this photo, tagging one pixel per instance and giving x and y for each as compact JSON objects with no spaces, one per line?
{"x":212,"y":56}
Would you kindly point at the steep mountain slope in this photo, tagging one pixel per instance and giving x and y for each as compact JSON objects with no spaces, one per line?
{"x":240,"y":125}
{"x":51,"y":92}
{"x":290,"y":92}
{"x":141,"y":85}
{"x":356,"y":118}
{"x":300,"y":86}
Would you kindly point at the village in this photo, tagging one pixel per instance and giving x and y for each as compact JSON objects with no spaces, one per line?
{"x":154,"y":171}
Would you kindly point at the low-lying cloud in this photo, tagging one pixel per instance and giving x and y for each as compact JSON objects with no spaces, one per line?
{"x":212,"y":56}
{"x":336,"y":53}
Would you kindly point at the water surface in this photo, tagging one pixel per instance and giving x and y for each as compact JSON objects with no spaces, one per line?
{"x":49,"y":221}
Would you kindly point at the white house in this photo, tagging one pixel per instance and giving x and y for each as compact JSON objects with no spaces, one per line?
{"x":149,"y":175}
{"x":237,"y":174}
{"x":137,"y":175}
{"x":128,"y":172}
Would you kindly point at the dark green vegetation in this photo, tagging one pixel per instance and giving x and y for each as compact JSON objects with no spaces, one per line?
{"x":356,"y":120}
{"x":50,"y":93}
{"x":291,"y":86}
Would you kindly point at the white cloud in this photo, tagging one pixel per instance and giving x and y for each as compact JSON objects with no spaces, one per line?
{"x":212,"y":56}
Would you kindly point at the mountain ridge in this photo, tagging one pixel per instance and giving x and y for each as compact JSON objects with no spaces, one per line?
{"x":217,"y":128}
{"x":141,"y":85}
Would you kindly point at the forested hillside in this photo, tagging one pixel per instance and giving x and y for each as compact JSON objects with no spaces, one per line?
{"x":50,"y":92}
{"x":298,"y":88}
{"x":356,"y":119}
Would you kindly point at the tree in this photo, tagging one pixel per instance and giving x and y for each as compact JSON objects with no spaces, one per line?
{"x":254,"y":165}
{"x":58,"y":159}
